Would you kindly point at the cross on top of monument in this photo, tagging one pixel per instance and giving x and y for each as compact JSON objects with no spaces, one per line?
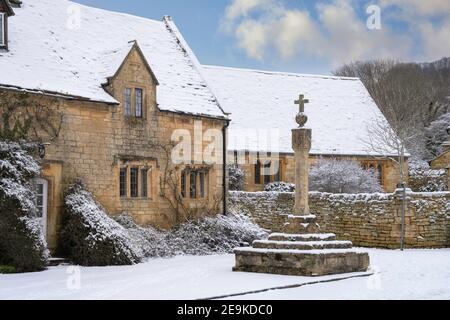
{"x":301,"y":103}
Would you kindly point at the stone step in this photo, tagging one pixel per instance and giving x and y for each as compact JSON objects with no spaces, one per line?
{"x":302,"y":237}
{"x":302,"y":245}
{"x":301,"y":262}
{"x":301,"y":224}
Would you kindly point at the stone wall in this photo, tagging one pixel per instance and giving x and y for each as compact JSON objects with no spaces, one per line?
{"x":370,"y":220}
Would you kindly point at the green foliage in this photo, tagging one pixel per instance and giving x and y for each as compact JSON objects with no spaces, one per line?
{"x":19,"y":130}
{"x":7,"y":269}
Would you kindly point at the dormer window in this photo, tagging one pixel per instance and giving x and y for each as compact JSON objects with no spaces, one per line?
{"x":2,"y":29}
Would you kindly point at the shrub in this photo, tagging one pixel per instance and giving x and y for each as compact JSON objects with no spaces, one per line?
{"x":210,"y":235}
{"x":436,"y":135}
{"x":423,"y":179}
{"x":236,"y":178}
{"x":280,"y":187}
{"x":89,"y":236}
{"x":7,"y":269}
{"x":343,"y":176}
{"x":22,"y":243}
{"x":220,"y":234}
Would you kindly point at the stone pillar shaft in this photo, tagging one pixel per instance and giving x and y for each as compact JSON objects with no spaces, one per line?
{"x":301,"y":143}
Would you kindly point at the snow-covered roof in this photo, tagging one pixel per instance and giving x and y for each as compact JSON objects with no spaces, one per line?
{"x":66,"y":48}
{"x":340,"y":110}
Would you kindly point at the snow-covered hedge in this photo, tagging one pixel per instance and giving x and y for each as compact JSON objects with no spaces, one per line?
{"x":423,"y":179}
{"x":343,"y":176}
{"x":90,"y":237}
{"x":22,"y":243}
{"x":209,"y":235}
{"x":280,"y":187}
{"x":236,"y":178}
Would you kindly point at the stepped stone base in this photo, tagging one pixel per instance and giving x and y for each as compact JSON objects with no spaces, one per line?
{"x":300,"y":263}
{"x":301,"y":252}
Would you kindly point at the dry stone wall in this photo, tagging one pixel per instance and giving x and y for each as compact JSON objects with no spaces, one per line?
{"x":369,"y":220}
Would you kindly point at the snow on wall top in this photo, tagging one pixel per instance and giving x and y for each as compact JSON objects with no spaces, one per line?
{"x":66,"y":48}
{"x":339,"y":111}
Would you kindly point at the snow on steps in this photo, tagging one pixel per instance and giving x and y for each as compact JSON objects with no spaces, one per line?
{"x":302,"y":245}
{"x":302,"y":237}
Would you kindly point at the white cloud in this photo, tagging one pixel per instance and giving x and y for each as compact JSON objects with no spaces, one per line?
{"x":252,"y":36}
{"x":338,"y":35}
{"x":349,"y":39}
{"x":428,"y":23}
{"x":420,"y":7}
{"x":295,"y":31}
{"x":436,"y":40}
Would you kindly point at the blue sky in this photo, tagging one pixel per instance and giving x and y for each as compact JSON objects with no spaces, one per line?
{"x":301,"y":35}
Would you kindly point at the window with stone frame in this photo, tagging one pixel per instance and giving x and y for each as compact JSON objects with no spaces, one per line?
{"x":267,"y":177}
{"x":144,"y":183}
{"x":202,"y":178}
{"x":135,"y":181}
{"x":127,"y":102}
{"x":278,"y":175}
{"x":194,"y":183}
{"x":258,"y":172}
{"x":134,"y":184}
{"x":123,"y":182}
{"x":139,"y":100}
{"x":377,"y":167}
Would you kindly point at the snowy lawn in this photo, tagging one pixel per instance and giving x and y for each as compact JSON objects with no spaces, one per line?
{"x":413,"y":274}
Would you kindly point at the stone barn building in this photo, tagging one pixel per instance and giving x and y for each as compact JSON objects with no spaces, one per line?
{"x":263,"y":113}
{"x":116,"y":87}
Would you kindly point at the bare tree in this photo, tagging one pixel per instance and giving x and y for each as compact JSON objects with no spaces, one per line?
{"x":385,"y":140}
{"x":410,"y":96}
{"x":170,"y":183}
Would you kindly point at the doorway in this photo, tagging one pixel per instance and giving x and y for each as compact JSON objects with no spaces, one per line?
{"x":42,"y":203}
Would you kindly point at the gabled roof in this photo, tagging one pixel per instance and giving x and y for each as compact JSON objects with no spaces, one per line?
{"x":117,"y":57}
{"x":52,"y":51}
{"x":339,"y":112}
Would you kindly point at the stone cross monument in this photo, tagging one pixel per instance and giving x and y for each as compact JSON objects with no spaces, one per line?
{"x":301,"y":143}
{"x":301,"y":249}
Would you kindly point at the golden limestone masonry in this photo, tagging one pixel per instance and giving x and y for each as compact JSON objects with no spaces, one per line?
{"x":116,"y":104}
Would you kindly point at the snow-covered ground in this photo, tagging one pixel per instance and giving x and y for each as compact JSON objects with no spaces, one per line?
{"x":413,"y":274}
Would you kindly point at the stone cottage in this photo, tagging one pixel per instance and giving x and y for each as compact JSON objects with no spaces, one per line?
{"x":261,"y":103}
{"x":118,"y":87}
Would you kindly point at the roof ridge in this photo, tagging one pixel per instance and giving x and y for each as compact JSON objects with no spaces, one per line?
{"x":197,"y":65}
{"x":283,"y":73}
{"x":120,"y":13}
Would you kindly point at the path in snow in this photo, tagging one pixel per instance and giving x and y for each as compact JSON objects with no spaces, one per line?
{"x":415,"y":274}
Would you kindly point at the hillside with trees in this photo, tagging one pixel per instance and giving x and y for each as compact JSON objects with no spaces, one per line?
{"x":415,"y":99}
